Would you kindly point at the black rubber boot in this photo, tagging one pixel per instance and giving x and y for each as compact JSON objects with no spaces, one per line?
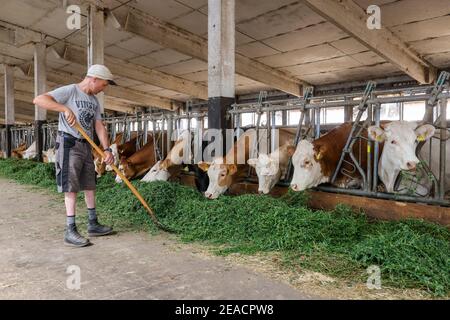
{"x":95,"y":229}
{"x":73,"y":238}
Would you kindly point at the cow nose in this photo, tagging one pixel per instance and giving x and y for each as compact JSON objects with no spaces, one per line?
{"x":294,"y":187}
{"x":208,"y":195}
{"x":260,"y":192}
{"x":411,"y":165}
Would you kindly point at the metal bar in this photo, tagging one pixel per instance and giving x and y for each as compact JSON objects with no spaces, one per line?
{"x":276,"y":107}
{"x":317,"y":125}
{"x":376,"y":149}
{"x":443,"y":115}
{"x":274,"y":143}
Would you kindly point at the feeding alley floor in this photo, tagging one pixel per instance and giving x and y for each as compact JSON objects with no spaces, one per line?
{"x":35,"y":264}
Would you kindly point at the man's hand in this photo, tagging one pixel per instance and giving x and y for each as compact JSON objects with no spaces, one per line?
{"x":70,"y":117}
{"x":109,"y":157}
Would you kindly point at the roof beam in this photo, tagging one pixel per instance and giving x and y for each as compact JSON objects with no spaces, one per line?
{"x":169,"y":36}
{"x":129,"y":95}
{"x":128,"y":70}
{"x":23,"y":91}
{"x":351,"y":18}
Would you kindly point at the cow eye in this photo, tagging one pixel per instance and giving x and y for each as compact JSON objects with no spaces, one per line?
{"x":394,"y":142}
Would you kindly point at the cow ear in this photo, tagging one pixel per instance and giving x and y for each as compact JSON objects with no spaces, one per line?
{"x":424,"y":132}
{"x":376,"y":133}
{"x":291,"y":150}
{"x":252,"y":162}
{"x":232,"y":169}
{"x":165,"y":163}
{"x":319,"y":153}
{"x":204,"y":165}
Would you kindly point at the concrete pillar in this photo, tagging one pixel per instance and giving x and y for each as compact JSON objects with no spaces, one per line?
{"x":10,"y":118}
{"x":40,"y":87}
{"x":221,"y":61}
{"x":95,"y":38}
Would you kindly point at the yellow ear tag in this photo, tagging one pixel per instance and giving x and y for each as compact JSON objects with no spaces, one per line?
{"x":421,"y":138}
{"x":319,"y":156}
{"x":379,"y":138}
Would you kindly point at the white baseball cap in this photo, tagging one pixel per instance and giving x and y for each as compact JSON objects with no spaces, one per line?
{"x":101,"y":72}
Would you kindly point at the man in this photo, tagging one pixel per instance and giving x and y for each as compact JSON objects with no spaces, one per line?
{"x":74,"y":163}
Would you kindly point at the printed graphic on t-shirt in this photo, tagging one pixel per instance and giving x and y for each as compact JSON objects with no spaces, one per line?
{"x":86,"y":113}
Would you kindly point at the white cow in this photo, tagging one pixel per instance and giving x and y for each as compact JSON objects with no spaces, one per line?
{"x":271,"y":168}
{"x":399,"y":151}
{"x":30,"y":153}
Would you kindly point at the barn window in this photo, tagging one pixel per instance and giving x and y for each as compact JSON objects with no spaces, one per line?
{"x":413,"y":111}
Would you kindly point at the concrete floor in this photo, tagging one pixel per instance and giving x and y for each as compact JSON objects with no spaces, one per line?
{"x":34,"y":261}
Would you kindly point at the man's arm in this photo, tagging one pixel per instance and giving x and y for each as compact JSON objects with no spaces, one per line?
{"x":104,"y":140}
{"x":46,"y":101}
{"x":102,"y":133}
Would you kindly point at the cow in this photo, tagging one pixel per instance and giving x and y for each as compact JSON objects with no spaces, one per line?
{"x":126,"y":150}
{"x":271,"y":168}
{"x":139,"y":162}
{"x":399,"y":153}
{"x":18,"y":152}
{"x":226,"y":171}
{"x":49,"y":156}
{"x":30,"y":152}
{"x":172,"y":164}
{"x":315,"y":162}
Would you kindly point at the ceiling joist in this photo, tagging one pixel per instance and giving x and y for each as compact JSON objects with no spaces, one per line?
{"x":351,"y":18}
{"x":142,"y":24}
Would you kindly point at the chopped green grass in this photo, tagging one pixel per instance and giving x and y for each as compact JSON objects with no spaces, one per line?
{"x":340,"y":243}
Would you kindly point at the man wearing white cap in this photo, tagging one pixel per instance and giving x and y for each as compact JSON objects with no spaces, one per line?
{"x":75,"y":169}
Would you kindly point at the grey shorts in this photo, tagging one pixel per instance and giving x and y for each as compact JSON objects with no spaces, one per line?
{"x":75,"y":169}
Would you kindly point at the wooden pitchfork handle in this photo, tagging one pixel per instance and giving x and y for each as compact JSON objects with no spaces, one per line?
{"x":120,"y":174}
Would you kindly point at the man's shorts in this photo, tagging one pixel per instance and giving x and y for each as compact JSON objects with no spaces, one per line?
{"x":75,"y":169}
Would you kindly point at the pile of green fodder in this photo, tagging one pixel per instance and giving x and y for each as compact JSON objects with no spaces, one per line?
{"x":341,"y":243}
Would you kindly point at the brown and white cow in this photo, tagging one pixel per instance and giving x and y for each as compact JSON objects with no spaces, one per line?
{"x":172,"y":164}
{"x":139,"y":162}
{"x":226,"y":171}
{"x":19,"y":151}
{"x":315,"y":162}
{"x":49,"y":156}
{"x":126,"y":150}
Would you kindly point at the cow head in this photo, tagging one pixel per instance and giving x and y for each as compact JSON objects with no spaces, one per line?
{"x":127,"y":169}
{"x":49,"y":156}
{"x":159,"y":172}
{"x":268,"y":171}
{"x":100,"y":166}
{"x":399,"y":150}
{"x":220,"y":177}
{"x":306,"y":162}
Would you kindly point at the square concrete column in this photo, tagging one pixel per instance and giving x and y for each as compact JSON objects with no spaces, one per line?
{"x":95,"y":38}
{"x":10,"y":117}
{"x":40,"y":87}
{"x":221,"y":61}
